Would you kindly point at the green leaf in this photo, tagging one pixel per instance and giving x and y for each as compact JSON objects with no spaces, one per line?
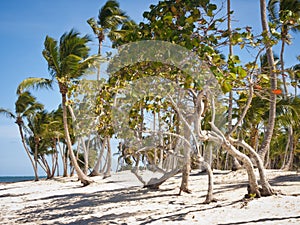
{"x":241,"y":72}
{"x":232,"y":75}
{"x":189,"y":20}
{"x":168,"y":18}
{"x":226,"y":86}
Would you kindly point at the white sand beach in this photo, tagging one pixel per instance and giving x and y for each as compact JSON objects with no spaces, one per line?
{"x":121,"y":199}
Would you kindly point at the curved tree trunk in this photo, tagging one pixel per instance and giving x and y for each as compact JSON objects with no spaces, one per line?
{"x":27,"y":151}
{"x":209,"y":196}
{"x":253,"y":188}
{"x":266,"y":189}
{"x":265,"y":146}
{"x":235,"y":163}
{"x":253,"y":185}
{"x":85,"y":180}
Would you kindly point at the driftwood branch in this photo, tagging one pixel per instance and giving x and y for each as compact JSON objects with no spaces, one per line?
{"x":154,"y":183}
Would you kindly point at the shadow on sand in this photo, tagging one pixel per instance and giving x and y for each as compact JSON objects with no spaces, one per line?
{"x":100,"y":207}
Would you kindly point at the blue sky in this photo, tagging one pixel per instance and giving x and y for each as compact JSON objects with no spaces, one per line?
{"x":23,"y":28}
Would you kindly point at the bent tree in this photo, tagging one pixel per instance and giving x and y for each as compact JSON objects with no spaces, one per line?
{"x":196,"y":26}
{"x":67,"y":61}
{"x":25,"y":106}
{"x":265,"y":146}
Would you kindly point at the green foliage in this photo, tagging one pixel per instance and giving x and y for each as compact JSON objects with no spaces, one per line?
{"x":193,"y":25}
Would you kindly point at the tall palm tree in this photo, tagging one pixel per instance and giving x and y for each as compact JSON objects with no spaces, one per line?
{"x":265,"y":146}
{"x":235,"y":164}
{"x":109,"y":18}
{"x":67,"y":60}
{"x":25,"y":106}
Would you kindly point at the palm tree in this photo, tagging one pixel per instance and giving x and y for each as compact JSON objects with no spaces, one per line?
{"x":285,"y":13}
{"x":265,"y":146}
{"x":235,"y":164}
{"x":288,"y":118}
{"x":109,"y":18}
{"x":67,"y":60}
{"x":35,"y":122}
{"x":295,"y":77}
{"x":42,"y":140}
{"x":25,"y":106}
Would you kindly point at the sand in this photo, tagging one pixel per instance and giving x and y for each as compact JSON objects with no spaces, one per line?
{"x":121,"y":199}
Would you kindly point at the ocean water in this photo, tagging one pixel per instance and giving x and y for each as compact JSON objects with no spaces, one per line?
{"x":10,"y":179}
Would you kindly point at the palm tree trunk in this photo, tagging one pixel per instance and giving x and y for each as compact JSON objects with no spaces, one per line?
{"x":286,"y":166}
{"x":85,"y":180}
{"x":265,"y":146}
{"x":235,"y":163}
{"x":95,"y":171}
{"x":64,"y":159}
{"x":36,"y":158}
{"x":230,"y":99}
{"x":54,"y":163}
{"x":283,"y":34}
{"x":27,"y":152}
{"x":46,"y":166}
{"x":291,"y":146}
{"x":99,"y":54}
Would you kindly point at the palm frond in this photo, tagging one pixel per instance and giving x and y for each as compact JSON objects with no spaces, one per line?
{"x":7,"y":113}
{"x":273,"y":8}
{"x":90,"y":64}
{"x":27,"y":104}
{"x":288,"y":111}
{"x":35,"y":83}
{"x":72,"y":44}
{"x":51,"y":55}
{"x":110,"y":15}
{"x":93,"y":24}
{"x":26,"y":129}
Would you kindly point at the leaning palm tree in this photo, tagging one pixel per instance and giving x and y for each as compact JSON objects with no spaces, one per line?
{"x":68,"y":60}
{"x":265,"y":146}
{"x":42,"y":140}
{"x":55,"y":131}
{"x":35,"y":122}
{"x":25,"y":106}
{"x":109,"y":18}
